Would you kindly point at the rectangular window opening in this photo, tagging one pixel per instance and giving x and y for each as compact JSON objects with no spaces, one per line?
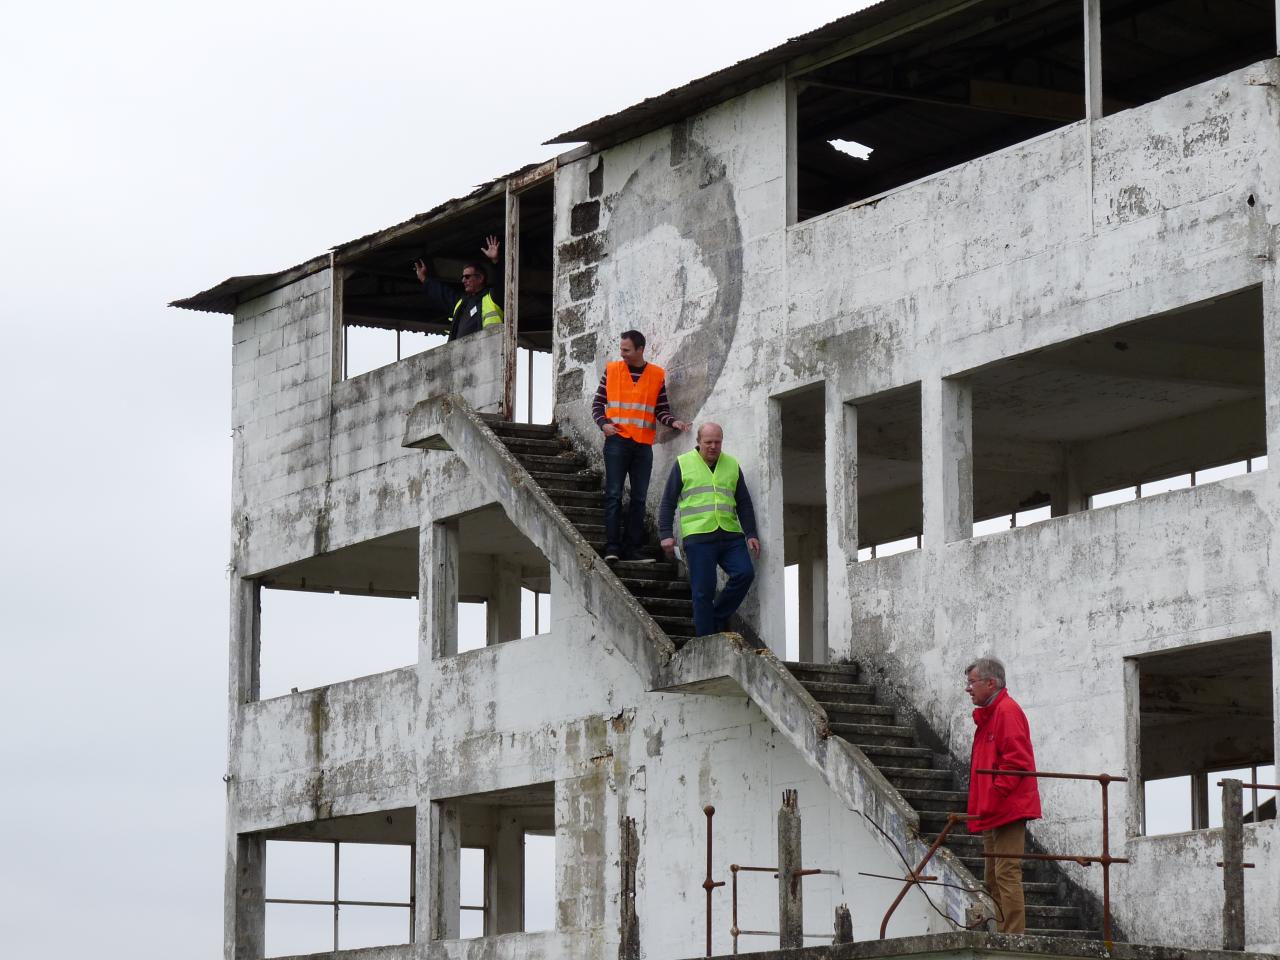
{"x":1152,"y":407}
{"x":804,"y":521}
{"x":1205,"y":712}
{"x":505,"y":874}
{"x":310,"y":611}
{"x":952,"y":89}
{"x":890,"y":491}
{"x":327,"y":891}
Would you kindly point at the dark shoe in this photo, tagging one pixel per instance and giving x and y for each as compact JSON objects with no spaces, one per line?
{"x":610,"y":557}
{"x":639,"y":558}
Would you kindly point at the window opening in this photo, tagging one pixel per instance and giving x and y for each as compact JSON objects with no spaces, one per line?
{"x":536,"y":256}
{"x":332,"y":895}
{"x":473,"y":898}
{"x":804,"y":520}
{"x":1204,"y":712}
{"x":386,"y":316}
{"x":505,"y":876}
{"x":961,"y":86}
{"x":535,"y":612}
{"x":890,"y":491}
{"x":1162,"y":403}
{"x":308,"y":613}
{"x":1154,"y":48}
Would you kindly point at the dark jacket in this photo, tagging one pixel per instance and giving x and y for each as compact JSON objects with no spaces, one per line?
{"x":443,"y":297}
{"x":1001,"y":742}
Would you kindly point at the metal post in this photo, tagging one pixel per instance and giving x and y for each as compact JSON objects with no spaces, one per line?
{"x":335,"y":895}
{"x":790,"y":890}
{"x":1106,"y":865}
{"x":1232,"y":865}
{"x":709,"y":884}
{"x":629,"y":948}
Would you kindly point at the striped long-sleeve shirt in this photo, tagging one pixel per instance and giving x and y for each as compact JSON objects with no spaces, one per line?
{"x":661,"y":411}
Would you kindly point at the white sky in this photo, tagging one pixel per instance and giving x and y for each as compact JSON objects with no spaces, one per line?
{"x":150,"y":150}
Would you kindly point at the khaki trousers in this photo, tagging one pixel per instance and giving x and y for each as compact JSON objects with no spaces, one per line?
{"x":1004,"y":876}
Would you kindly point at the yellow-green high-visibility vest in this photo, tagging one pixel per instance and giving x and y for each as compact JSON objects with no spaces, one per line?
{"x":491,"y":312}
{"x":708,"y":500}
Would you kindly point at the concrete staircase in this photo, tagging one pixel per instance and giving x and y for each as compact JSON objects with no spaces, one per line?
{"x":574,"y":486}
{"x":932,"y":792}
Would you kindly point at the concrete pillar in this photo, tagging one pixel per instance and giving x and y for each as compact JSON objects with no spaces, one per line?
{"x":1135,"y":796}
{"x":790,"y":884}
{"x":843,"y":925}
{"x":765,"y":485}
{"x":441,"y":874}
{"x":1232,"y":865}
{"x":813,"y":597}
{"x":437,"y":591}
{"x":947,"y":453}
{"x":1068,"y":490}
{"x":248,"y":872}
{"x":506,"y":874}
{"x":245,"y":642}
{"x":503,"y":620}
{"x":1093,"y":106}
{"x":629,"y":921}
{"x":841,"y":464}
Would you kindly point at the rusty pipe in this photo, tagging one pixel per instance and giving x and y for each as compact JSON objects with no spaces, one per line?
{"x":914,"y":877}
{"x":709,"y":884}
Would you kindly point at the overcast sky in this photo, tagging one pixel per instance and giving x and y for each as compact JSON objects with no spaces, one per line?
{"x":149,"y":151}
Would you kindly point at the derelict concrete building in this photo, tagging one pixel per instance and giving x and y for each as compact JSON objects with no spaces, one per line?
{"x":938,"y":267}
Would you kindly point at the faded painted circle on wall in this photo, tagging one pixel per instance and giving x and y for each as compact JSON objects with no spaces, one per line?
{"x":674,"y":269}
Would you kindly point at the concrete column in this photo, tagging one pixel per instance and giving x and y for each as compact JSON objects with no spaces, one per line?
{"x":1135,"y":795}
{"x":813,"y":598}
{"x":1093,"y":106}
{"x":843,"y":925}
{"x":437,"y":591}
{"x":423,"y":870}
{"x":629,"y":921}
{"x":248,"y":872}
{"x":507,"y":873}
{"x":503,"y":621}
{"x":765,"y":485}
{"x":1068,"y":491}
{"x":1232,"y":865}
{"x":790,"y":885}
{"x":947,"y":454}
{"x":441,"y":874}
{"x":841,"y":464}
{"x":245,"y":651}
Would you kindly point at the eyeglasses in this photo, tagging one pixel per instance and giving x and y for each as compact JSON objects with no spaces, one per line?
{"x":472,"y":276}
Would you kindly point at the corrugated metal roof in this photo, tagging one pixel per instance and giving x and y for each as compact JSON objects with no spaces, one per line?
{"x":714,"y":88}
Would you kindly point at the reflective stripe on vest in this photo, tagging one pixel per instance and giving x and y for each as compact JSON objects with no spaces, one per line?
{"x":492,"y":313}
{"x":630,"y":406}
{"x":708,"y":501}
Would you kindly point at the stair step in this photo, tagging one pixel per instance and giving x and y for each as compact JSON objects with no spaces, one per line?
{"x":907,"y":778}
{"x":676,"y":626}
{"x":566,"y":497}
{"x":537,"y":446}
{"x":668,"y":606}
{"x":879,"y":734}
{"x":840,"y":692}
{"x":1074,"y":934}
{"x":838,"y":712}
{"x":584,"y":514}
{"x":1046,"y":912}
{"x":567,"y":462}
{"x":837,"y":672}
{"x":507,"y":428}
{"x":916,"y":757}
{"x":942,"y":800}
{"x":555,"y":483}
{"x":662,"y":571}
{"x":643,"y":589}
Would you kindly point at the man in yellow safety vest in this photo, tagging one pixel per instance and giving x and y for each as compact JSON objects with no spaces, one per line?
{"x":478,"y":304}
{"x":629,"y":404}
{"x":708,"y":493}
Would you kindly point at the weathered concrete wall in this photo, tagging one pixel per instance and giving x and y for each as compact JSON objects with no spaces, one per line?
{"x":1091,"y":226}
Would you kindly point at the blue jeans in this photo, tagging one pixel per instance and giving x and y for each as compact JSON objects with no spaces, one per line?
{"x":623,"y":459}
{"x":728,"y":552}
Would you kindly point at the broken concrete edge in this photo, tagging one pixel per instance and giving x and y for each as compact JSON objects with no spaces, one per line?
{"x":449,"y":419}
{"x":999,"y":944}
{"x":852,"y":778}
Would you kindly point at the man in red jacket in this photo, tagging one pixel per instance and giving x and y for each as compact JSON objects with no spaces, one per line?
{"x":999,"y":807}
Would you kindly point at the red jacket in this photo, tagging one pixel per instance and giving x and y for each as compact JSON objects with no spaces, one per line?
{"x":1001,"y":742}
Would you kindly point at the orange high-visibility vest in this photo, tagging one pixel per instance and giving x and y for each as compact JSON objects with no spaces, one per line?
{"x":630,"y":406}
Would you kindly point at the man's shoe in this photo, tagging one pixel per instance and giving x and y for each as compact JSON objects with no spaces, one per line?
{"x":610,"y":558}
{"x":639,"y":558}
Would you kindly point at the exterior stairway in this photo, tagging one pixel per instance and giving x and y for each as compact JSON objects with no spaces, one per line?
{"x":575,"y":487}
{"x":856,"y":717}
{"x":578,"y":490}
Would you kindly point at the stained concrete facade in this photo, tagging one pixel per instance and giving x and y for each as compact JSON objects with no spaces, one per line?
{"x":686,"y":231}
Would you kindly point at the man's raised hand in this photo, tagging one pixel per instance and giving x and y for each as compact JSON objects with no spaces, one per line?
{"x":490,"y":248}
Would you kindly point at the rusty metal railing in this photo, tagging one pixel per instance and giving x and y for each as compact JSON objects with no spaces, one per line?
{"x":796,"y":876}
{"x":917,"y":878}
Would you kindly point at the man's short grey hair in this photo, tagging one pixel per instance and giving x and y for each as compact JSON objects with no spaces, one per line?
{"x":989,"y":668}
